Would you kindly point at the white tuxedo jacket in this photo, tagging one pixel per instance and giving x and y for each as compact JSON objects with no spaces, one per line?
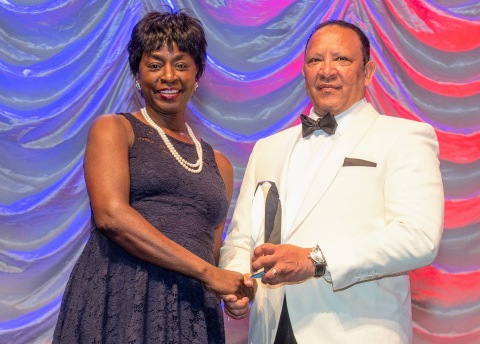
{"x":373,"y":224}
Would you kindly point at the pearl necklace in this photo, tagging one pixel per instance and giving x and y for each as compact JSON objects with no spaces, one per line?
{"x":193,"y":168}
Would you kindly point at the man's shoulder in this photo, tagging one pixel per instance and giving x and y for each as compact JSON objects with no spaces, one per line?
{"x":396,"y":129}
{"x":398,"y":123}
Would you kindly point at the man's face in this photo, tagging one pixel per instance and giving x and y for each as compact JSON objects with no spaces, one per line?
{"x":335,"y":77}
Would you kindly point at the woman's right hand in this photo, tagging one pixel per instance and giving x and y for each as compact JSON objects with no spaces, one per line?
{"x":226,"y":282}
{"x":237,"y":308}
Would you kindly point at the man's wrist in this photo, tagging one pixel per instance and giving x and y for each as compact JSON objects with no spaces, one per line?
{"x":318,"y":260}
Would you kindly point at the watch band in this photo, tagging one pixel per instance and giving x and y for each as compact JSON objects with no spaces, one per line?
{"x":320,"y":270}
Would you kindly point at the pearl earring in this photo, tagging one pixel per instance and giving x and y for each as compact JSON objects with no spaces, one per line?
{"x":137,"y":85}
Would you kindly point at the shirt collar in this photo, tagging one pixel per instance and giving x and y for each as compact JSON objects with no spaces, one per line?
{"x":343,"y":119}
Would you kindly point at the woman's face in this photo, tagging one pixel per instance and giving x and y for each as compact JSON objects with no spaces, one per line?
{"x":167,"y":78}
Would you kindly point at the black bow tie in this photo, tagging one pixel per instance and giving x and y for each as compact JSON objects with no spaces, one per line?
{"x":327,"y":123}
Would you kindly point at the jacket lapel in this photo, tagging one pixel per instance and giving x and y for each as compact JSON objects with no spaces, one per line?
{"x":324,"y":177}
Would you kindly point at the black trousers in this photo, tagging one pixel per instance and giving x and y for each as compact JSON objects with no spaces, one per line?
{"x":284,"y":333}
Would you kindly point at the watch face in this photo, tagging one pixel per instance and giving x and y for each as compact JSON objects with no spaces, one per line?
{"x":318,"y":258}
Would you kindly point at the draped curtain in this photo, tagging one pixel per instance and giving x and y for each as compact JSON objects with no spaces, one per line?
{"x":63,"y":63}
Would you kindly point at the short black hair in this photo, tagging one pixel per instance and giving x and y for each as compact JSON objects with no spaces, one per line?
{"x":361,"y":35}
{"x":158,"y":28}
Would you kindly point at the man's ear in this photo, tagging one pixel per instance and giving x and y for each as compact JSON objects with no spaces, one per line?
{"x":370,"y":68}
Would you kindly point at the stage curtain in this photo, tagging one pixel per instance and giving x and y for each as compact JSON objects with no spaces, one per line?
{"x":63,"y":63}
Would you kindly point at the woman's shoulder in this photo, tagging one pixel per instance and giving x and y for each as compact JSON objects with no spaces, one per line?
{"x":111,"y":124}
{"x":106,"y":122}
{"x":221,"y":159}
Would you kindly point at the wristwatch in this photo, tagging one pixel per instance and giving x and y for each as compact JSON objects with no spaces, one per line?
{"x":316,"y":256}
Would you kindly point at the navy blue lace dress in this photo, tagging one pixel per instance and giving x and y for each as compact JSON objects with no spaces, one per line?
{"x":113,"y":297}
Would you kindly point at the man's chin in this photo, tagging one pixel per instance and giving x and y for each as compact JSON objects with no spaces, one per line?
{"x":323,"y":109}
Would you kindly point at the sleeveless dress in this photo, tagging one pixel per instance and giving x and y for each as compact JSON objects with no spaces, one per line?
{"x":113,"y":297}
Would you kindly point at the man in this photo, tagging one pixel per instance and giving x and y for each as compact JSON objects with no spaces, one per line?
{"x":367,"y":198}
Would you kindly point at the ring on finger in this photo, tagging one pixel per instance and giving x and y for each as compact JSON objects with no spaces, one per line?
{"x":274,"y":272}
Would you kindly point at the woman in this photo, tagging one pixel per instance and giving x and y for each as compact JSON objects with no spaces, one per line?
{"x":159,"y":200}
